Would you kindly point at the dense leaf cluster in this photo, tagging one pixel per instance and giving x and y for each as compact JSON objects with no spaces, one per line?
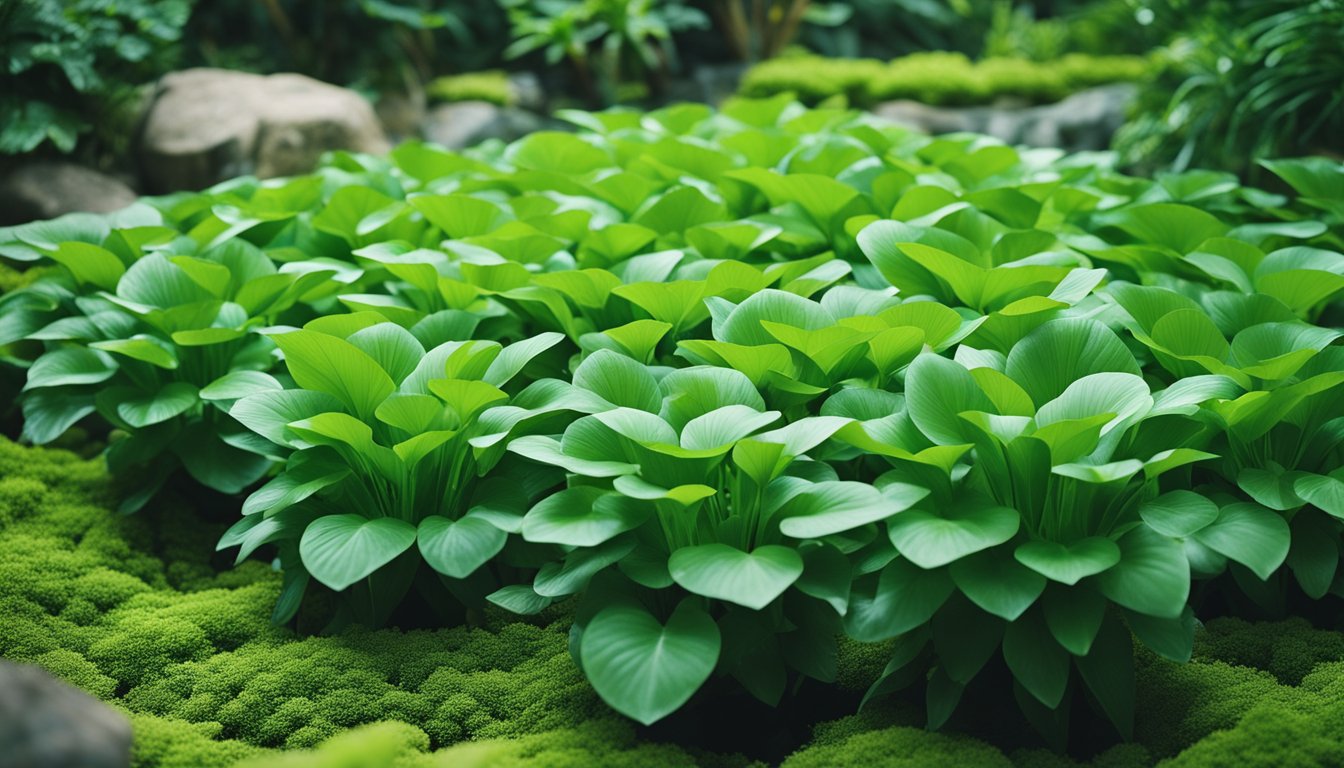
{"x":738,"y":382}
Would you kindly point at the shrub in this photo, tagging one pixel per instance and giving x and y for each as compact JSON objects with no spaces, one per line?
{"x":937,"y":77}
{"x":1241,"y":82}
{"x":492,"y":86}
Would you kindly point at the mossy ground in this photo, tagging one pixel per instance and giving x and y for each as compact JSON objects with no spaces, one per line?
{"x":139,"y":612}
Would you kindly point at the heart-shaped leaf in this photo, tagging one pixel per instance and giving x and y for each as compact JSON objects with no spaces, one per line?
{"x":339,"y":550}
{"x":645,"y":669}
{"x":1067,"y":563}
{"x":752,"y":580}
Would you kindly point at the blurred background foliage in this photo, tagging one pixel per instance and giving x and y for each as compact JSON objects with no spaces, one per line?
{"x":1223,"y":81}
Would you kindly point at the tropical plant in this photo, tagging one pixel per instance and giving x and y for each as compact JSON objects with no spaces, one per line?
{"x":603,"y":40}
{"x":387,"y":441}
{"x":711,"y":542}
{"x":1245,"y":80}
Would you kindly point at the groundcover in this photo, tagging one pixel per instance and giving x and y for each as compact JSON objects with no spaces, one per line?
{"x":764,"y":435}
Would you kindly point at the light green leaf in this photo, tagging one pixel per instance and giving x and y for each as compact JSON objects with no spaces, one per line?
{"x":645,"y":669}
{"x":339,"y":550}
{"x":752,"y":580}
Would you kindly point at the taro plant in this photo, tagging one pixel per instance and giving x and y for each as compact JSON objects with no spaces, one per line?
{"x":701,"y":536}
{"x":393,"y":457}
{"x":149,"y":339}
{"x":1060,"y":533}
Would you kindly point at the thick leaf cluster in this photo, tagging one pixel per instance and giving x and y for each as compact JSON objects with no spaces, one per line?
{"x":741,"y":383}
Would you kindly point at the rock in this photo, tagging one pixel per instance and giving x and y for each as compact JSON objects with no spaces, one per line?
{"x":45,"y":189}
{"x":1084,"y":121}
{"x":401,"y":114}
{"x":527,"y":92}
{"x":928,"y":119}
{"x":465,"y":123}
{"x":207,"y":125}
{"x":46,"y":722}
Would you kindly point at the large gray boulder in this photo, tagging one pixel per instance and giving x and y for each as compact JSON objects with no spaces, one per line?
{"x":45,"y":189}
{"x":48,"y":723}
{"x":1084,"y":121}
{"x":206,"y":125}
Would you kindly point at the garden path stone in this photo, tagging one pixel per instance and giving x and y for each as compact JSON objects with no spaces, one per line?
{"x":45,"y":189}
{"x":207,"y":125}
{"x":49,"y":723}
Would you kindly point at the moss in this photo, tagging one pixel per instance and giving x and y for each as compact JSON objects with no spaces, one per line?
{"x":900,"y":747}
{"x":165,"y":743}
{"x":1270,"y":736}
{"x":1183,"y":703}
{"x":1289,"y":649}
{"x":858,"y":665}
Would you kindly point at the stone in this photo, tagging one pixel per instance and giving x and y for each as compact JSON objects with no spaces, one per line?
{"x":45,"y":189}
{"x":401,"y":114}
{"x":526,"y":90}
{"x":49,"y":723}
{"x":463,"y":124}
{"x":1084,"y":121}
{"x":207,"y":125}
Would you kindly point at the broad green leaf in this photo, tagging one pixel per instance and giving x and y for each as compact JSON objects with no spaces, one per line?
{"x":1249,"y":534}
{"x":938,"y":390}
{"x":721,"y":572}
{"x":835,"y":506}
{"x":1178,"y":513}
{"x":1061,"y":352}
{"x":582,"y":516}
{"x":619,"y":380}
{"x":90,"y":264}
{"x":646,"y":669}
{"x":932,"y":539}
{"x":903,"y":598}
{"x":1068,"y":563}
{"x":339,"y":550}
{"x":337,"y":367}
{"x":145,"y":409}
{"x":724,"y":426}
{"x":1152,"y":577}
{"x":997,"y":583}
{"x":268,"y":412}
{"x":1036,"y":660}
{"x":456,"y":548}
{"x":70,"y":365}
{"x":142,"y":347}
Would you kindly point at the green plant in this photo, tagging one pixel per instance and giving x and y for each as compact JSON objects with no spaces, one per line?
{"x":65,"y":66}
{"x":392,"y":436}
{"x":682,"y":489}
{"x":1244,"y":81}
{"x":153,"y":335}
{"x":366,"y":43}
{"x":731,"y":381}
{"x":491,"y":86}
{"x":603,"y":40}
{"x":938,"y":77}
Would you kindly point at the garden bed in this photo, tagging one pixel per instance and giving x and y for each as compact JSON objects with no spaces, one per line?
{"x":692,"y":438}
